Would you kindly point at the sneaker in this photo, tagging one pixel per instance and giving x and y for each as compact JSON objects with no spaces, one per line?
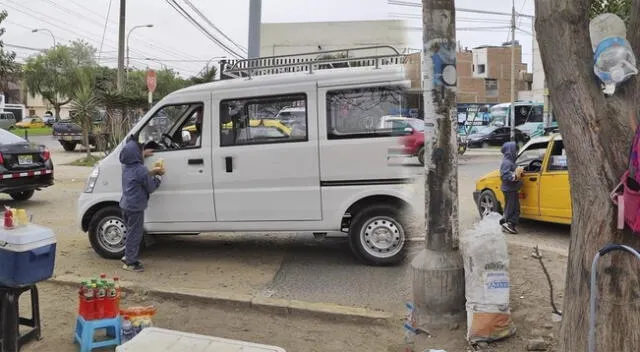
{"x":137,"y":267}
{"x":509,"y":228}
{"x":123,"y":260}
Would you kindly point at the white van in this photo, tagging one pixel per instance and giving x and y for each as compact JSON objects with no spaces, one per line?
{"x":249,"y":173}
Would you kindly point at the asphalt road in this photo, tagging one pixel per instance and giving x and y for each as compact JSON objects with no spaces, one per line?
{"x":294,"y":266}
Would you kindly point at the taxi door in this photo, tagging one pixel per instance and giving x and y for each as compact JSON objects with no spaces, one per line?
{"x":531,"y":177}
{"x":555,"y":195}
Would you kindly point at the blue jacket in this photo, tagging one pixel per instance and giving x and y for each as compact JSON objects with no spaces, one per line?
{"x":508,"y":167}
{"x":137,"y":182}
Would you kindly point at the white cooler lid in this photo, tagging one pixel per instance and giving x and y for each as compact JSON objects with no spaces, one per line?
{"x":26,"y":235}
{"x":163,"y":340}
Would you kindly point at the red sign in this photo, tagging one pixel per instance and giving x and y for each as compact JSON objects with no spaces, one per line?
{"x":151,"y":80}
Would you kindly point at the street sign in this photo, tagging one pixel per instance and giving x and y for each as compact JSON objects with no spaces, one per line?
{"x":151,"y":80}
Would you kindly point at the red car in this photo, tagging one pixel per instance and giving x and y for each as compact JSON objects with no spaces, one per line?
{"x":413,"y":136}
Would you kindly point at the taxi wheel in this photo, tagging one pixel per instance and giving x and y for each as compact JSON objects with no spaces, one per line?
{"x":488,"y":203}
{"x":421,"y":156}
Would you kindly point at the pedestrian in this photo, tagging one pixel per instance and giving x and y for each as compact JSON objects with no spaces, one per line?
{"x":511,"y":184}
{"x":137,"y":184}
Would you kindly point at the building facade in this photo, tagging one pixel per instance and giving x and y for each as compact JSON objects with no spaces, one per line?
{"x":303,"y":37}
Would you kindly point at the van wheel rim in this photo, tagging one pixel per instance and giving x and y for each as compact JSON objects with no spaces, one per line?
{"x":382,"y":237}
{"x":486,"y":205}
{"x":112,"y":234}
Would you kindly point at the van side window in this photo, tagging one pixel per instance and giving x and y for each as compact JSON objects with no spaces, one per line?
{"x":175,"y":127}
{"x":261,"y":120}
{"x":558,"y":158}
{"x":359,"y":112}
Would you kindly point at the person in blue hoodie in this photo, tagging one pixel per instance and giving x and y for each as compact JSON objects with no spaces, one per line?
{"x":510,"y":187}
{"x":137,"y":184}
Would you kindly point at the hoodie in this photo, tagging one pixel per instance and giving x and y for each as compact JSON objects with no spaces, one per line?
{"x":137,"y":182}
{"x":508,"y":168}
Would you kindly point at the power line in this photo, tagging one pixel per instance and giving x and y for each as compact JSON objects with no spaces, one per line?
{"x":189,"y":18}
{"x":104,"y":32}
{"x":194,"y":8}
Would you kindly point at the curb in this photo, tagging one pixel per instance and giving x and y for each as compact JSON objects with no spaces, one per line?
{"x":321,"y":310}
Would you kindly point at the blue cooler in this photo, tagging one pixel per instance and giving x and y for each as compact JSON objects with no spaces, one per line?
{"x":27,"y":255}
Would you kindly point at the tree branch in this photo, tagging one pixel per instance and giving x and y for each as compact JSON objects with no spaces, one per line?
{"x":536,"y":254}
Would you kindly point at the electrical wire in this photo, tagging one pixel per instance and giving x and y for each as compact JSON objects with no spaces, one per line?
{"x":185,"y":14}
{"x":104,"y":32}
{"x":194,"y":8}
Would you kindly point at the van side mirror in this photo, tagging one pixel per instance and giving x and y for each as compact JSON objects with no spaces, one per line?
{"x":186,"y":137}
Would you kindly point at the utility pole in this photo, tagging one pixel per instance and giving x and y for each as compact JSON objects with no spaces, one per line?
{"x":255,"y":14}
{"x":121,"y":39}
{"x":512,"y":115}
{"x":438,"y":271}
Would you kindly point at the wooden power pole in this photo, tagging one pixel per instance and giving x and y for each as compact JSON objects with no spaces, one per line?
{"x":438,"y":271}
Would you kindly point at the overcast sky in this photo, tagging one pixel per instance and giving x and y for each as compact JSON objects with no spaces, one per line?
{"x":177,"y":44}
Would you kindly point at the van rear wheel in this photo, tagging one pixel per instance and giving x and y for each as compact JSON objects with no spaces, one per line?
{"x":377,"y":235}
{"x":108,"y":233}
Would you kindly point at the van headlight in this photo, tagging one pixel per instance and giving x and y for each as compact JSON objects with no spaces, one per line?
{"x":92,"y":180}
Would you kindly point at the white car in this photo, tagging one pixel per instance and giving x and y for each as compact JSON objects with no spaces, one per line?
{"x":248,"y":173}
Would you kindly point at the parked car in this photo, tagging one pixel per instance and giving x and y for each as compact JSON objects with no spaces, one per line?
{"x":49,"y":119}
{"x":31,"y":122}
{"x":545,"y":193}
{"x":244,"y":176}
{"x":69,"y":133}
{"x":7,"y":120}
{"x":24,"y":167}
{"x":495,"y":136}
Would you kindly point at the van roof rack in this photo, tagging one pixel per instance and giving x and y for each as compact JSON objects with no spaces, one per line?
{"x":310,"y":61}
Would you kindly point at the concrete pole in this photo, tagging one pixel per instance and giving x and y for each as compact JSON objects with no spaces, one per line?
{"x":438,"y":271}
{"x":121,"y":40}
{"x":512,"y":115}
{"x":255,"y":14}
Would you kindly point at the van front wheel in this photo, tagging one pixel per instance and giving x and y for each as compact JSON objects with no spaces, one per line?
{"x":377,"y":235}
{"x":108,"y":233}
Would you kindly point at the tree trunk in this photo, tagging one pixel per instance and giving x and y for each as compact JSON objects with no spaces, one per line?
{"x":597,"y":136}
{"x":85,"y":138}
{"x":56,"y":108}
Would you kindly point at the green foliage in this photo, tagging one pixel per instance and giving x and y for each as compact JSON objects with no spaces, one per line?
{"x":54,"y":74}
{"x":622,"y":8}
{"x":8,"y":65}
{"x":208,"y":74}
{"x":85,"y":104}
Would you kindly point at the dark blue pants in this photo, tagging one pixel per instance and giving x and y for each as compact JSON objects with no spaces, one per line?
{"x":134,"y":220}
{"x":511,"y":208}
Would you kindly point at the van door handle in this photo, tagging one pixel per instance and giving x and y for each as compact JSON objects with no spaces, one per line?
{"x":228,"y":163}
{"x":195,"y":161}
{"x":533,"y":178}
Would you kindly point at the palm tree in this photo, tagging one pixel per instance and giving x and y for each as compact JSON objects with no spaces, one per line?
{"x":85,"y":105}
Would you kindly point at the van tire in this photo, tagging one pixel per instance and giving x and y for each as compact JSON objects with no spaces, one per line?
{"x":110,"y":216}
{"x":22,"y":196}
{"x":68,"y":146}
{"x":388,"y":219}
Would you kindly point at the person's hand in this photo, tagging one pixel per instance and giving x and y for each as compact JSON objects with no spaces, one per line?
{"x":157,"y":171}
{"x":147,"y":153}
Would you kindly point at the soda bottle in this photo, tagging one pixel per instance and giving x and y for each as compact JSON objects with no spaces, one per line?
{"x":127,"y":332}
{"x":116,"y":283}
{"x":102,"y":293}
{"x":8,"y":219}
{"x":89,"y":297}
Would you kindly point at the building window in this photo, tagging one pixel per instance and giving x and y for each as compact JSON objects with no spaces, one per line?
{"x":481,"y":69}
{"x":357,"y":113}
{"x":262,"y":120}
{"x":491,"y":87}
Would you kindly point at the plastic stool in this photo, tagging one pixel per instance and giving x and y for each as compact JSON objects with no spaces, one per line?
{"x":85,"y":331}
{"x":10,"y":320}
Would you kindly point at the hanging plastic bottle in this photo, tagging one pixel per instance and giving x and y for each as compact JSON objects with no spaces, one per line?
{"x":614,"y":61}
{"x":127,"y":329}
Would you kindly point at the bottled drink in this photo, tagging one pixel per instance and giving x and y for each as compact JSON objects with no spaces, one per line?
{"x":127,"y":329}
{"x":100,"y":297}
{"x":8,"y":219}
{"x":116,"y":283}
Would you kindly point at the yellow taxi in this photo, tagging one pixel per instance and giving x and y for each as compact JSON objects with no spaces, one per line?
{"x":31,"y":122}
{"x":545,"y":194}
{"x":269,"y":123}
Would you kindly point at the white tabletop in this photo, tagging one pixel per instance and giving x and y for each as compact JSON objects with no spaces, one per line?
{"x":163,"y":340}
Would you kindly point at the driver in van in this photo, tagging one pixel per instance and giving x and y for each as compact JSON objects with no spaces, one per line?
{"x":511,"y":184}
